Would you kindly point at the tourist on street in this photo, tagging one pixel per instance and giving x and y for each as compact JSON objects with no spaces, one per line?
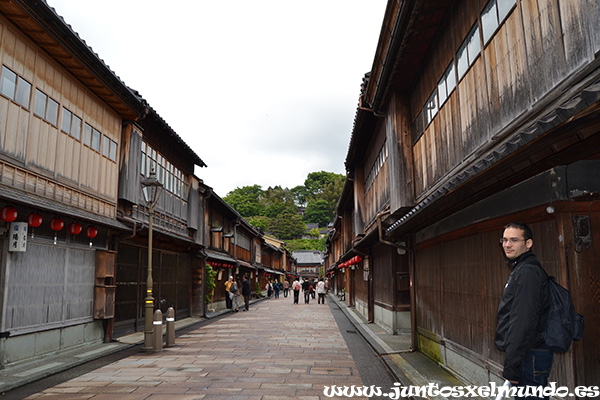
{"x":235,"y":295}
{"x":286,"y":288}
{"x":269,"y":289}
{"x":296,"y":288}
{"x":523,"y":312}
{"x":306,"y":288}
{"x":227,"y":285}
{"x":276,"y":288}
{"x":246,"y":292}
{"x":321,"y":291}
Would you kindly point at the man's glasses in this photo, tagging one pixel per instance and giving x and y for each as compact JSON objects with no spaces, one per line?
{"x":511,"y":240}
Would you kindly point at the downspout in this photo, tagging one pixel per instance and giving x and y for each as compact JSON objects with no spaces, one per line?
{"x":411,"y":269}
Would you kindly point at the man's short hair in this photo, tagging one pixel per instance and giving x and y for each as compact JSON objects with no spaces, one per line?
{"x":520,"y":225}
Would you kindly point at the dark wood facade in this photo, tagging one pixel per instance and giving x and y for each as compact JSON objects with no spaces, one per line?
{"x":62,"y":113}
{"x":475,"y":114}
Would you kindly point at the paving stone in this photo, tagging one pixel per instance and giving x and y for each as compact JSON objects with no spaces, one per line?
{"x":242,"y":356}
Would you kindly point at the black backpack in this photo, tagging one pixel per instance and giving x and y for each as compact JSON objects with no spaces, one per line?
{"x":564,"y":323}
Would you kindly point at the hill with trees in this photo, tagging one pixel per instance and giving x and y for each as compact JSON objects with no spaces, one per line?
{"x":283,"y":213}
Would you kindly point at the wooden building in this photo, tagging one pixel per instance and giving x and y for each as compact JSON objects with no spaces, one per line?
{"x":151,"y":146}
{"x":233,"y":246}
{"x":476,"y":114}
{"x":271,"y":265}
{"x":62,"y":115}
{"x":287,"y":265}
{"x":309,"y":263}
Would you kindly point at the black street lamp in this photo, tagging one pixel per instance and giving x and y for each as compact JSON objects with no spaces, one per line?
{"x":151,"y":189}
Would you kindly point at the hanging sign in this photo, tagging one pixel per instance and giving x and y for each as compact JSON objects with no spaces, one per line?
{"x":18,"y":237}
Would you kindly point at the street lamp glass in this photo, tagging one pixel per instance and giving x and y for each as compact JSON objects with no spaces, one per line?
{"x":151,"y":189}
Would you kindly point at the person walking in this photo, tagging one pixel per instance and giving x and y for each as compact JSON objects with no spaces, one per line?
{"x":286,"y":288}
{"x":227,"y":285}
{"x":321,"y":291}
{"x":235,"y":295}
{"x":246,"y":292}
{"x":269,"y":289}
{"x":277,"y":288}
{"x":296,"y":289}
{"x":522,"y":312}
{"x":306,"y":288}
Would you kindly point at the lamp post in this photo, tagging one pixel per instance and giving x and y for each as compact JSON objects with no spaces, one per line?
{"x":151,"y":189}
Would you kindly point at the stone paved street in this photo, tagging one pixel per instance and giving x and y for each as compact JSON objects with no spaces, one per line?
{"x":277,"y":350}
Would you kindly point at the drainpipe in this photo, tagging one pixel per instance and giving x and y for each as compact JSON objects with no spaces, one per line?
{"x":411,"y":269}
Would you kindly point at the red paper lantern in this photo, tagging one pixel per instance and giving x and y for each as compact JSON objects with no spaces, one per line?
{"x":8,"y":214}
{"x":91,"y":232}
{"x":75,"y":228}
{"x":358,"y":259}
{"x":34,"y":220}
{"x":56,"y":224}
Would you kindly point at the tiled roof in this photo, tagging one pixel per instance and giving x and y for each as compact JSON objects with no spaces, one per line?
{"x":308,"y":257}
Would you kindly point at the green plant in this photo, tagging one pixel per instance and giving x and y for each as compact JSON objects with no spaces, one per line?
{"x":258,"y":292}
{"x":211,"y":276}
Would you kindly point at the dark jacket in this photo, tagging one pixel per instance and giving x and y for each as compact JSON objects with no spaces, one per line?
{"x":522,"y":313}
{"x":246,"y":287}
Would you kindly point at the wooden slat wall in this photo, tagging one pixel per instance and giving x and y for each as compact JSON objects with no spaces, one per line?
{"x":49,"y":285}
{"x":45,"y":148}
{"x":383,"y":276}
{"x":459,"y":283}
{"x":539,"y":45}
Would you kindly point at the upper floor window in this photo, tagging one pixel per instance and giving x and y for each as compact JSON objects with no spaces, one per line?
{"x":71,"y":124}
{"x":377,"y":165}
{"x":431,"y":108}
{"x":171,"y":177}
{"x":91,"y":137}
{"x":493,"y":15}
{"x":242,"y":241}
{"x":15,"y":88}
{"x":469,"y":51}
{"x":109,"y":148}
{"x":45,"y":107}
{"x":447,"y":84}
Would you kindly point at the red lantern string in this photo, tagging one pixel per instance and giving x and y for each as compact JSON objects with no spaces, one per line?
{"x":34,"y":220}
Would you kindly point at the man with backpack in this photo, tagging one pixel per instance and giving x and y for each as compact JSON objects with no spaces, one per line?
{"x":523,"y":312}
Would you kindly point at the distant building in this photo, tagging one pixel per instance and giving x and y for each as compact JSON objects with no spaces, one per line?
{"x":309,"y":263}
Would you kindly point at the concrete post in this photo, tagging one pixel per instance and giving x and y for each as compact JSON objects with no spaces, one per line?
{"x":157,"y":338}
{"x":170,"y":327}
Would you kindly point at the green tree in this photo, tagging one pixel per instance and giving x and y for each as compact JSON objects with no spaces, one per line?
{"x":261,"y":222}
{"x":331,"y":194}
{"x":314,"y":232}
{"x":287,"y":225}
{"x":300,"y":196}
{"x":306,"y":244}
{"x":211,"y":276}
{"x":319,"y":212}
{"x":246,"y":200}
{"x":316,"y":182}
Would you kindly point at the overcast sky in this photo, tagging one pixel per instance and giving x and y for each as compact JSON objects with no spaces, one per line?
{"x":263,"y":91}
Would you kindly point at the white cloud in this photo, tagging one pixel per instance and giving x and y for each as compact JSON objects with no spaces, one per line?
{"x":264,"y":91}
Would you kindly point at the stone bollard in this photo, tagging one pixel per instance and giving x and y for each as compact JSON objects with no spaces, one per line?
{"x":170,"y":327}
{"x":157,"y":339}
